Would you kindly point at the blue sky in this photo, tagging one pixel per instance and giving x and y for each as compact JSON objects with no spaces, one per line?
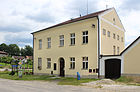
{"x":18,"y":18}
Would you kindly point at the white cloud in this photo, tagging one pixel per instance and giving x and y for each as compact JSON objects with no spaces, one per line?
{"x":18,"y":18}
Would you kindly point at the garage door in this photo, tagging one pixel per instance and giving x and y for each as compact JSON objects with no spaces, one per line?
{"x":112,"y":68}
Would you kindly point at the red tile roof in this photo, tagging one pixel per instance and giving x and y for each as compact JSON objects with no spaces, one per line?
{"x":2,"y":52}
{"x":76,"y":19}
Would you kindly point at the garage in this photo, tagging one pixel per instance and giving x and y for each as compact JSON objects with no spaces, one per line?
{"x":112,"y":68}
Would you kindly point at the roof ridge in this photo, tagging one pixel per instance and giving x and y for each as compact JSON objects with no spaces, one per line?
{"x":91,"y":15}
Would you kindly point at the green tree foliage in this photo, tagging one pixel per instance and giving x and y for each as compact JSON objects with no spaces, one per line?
{"x":14,"y":50}
{"x":22,"y":51}
{"x":28,"y":50}
{"x":4,"y":47}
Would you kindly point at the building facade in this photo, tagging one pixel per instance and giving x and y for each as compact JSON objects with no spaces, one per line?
{"x":77,"y":44}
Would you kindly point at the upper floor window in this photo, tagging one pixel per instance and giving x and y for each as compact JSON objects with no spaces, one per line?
{"x":72,"y":39}
{"x":39,"y":63}
{"x":48,"y":62}
{"x":85,"y":62}
{"x":49,"y":42}
{"x":114,"y":50}
{"x":114,"y":21}
{"x":118,"y":50}
{"x":72,"y":63}
{"x":61,"y":37}
{"x":104,"y":32}
{"x":122,"y":39}
{"x":85,"y":37}
{"x":40,"y":43}
{"x":118,"y":37}
{"x":114,"y":36}
{"x":108,"y":33}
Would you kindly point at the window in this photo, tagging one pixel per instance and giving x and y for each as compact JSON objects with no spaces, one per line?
{"x":85,"y":62}
{"x":72,"y":63}
{"x":108,"y":33}
{"x":122,"y":39}
{"x":72,"y":39}
{"x":54,"y":66}
{"x":40,"y":43}
{"x":49,"y":42}
{"x":114,"y":36}
{"x":85,"y":37}
{"x":114,"y":21}
{"x":118,"y":37}
{"x":104,"y":32}
{"x":118,"y":50}
{"x":39,"y":63}
{"x":114,"y":50}
{"x":48,"y":62}
{"x":61,"y":40}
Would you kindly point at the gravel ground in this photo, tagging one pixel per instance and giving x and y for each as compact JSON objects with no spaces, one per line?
{"x":40,"y":86}
{"x":111,"y":86}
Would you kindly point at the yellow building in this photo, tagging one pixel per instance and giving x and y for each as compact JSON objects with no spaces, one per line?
{"x":77,"y":45}
{"x":131,"y":59}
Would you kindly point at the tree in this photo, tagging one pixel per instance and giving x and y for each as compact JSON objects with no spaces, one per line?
{"x":14,"y":50}
{"x":28,"y":50}
{"x":22,"y":51}
{"x":4,"y":47}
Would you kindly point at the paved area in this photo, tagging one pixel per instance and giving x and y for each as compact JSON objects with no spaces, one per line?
{"x":38,"y":86}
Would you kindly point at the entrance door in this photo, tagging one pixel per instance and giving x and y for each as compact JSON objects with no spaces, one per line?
{"x":112,"y":68}
{"x":62,"y":65}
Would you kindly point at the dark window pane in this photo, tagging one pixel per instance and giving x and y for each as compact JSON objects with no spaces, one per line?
{"x":86,"y":65}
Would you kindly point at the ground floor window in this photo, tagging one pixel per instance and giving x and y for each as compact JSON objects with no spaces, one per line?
{"x":48,"y":62}
{"x":72,"y":63}
{"x":85,"y":62}
{"x":39,"y":63}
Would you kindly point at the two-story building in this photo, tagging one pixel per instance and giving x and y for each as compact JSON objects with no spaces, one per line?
{"x":77,"y":45}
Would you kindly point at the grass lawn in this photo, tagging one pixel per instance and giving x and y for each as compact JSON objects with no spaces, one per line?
{"x":74,"y":81}
{"x":129,"y":80}
{"x":9,"y":66}
{"x":61,"y":81}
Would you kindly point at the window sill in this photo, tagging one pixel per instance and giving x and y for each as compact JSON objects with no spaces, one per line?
{"x":61,"y":46}
{"x":72,"y":68}
{"x":48,"y":48}
{"x":48,"y":68}
{"x":40,"y":49}
{"x":72,"y":45}
{"x":84,"y":69}
{"x":84,"y":43}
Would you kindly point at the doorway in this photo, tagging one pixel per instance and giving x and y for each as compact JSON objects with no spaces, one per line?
{"x":62,"y":66}
{"x":112,"y":68}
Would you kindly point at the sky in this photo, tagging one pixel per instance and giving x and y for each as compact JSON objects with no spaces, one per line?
{"x":19,"y":18}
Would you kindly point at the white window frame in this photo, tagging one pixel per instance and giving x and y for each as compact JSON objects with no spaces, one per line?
{"x":61,"y":37}
{"x":49,"y":42}
{"x":72,"y":62}
{"x":104,"y":31}
{"x":118,"y":50}
{"x":40,"y":43}
{"x":122,"y":39}
{"x":114,"y":50}
{"x":48,"y":63}
{"x":108,"y":33}
{"x":85,"y":37}
{"x":39,"y":63}
{"x":114,"y":35}
{"x":85,"y":60}
{"x":118,"y":37}
{"x":72,"y":39}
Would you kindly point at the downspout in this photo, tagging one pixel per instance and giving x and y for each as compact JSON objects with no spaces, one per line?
{"x":98,"y":46}
{"x":33,"y":56}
